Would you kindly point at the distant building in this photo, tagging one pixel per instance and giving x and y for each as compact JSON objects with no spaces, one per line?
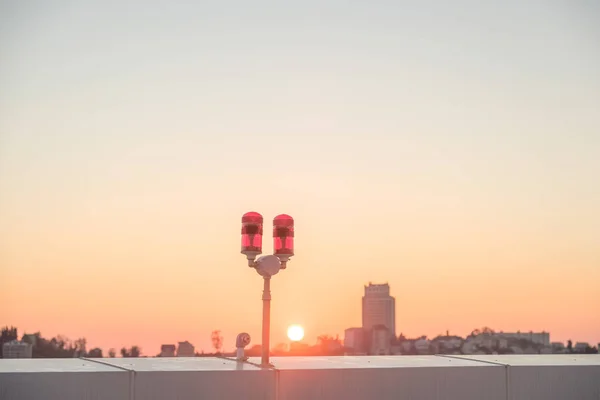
{"x":379,"y":308}
{"x":541,"y":338}
{"x":581,"y":347}
{"x":167,"y":350}
{"x":484,"y":340}
{"x":186,"y":349}
{"x":468,"y":347}
{"x":531,"y":350}
{"x":448,"y":343}
{"x":422,"y":346}
{"x":407,"y":346}
{"x":381,"y":340}
{"x":17,"y":349}
{"x":558,"y":347}
{"x":396,"y":348}
{"x":490,"y":341}
{"x":354,"y":340}
{"x":30,"y":338}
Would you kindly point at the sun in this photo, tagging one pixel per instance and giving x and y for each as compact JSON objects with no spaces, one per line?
{"x":295,"y":333}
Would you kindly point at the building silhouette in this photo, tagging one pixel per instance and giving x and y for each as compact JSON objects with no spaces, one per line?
{"x":167,"y":350}
{"x":185,"y":349}
{"x":380,"y":341}
{"x":354,"y":340}
{"x":17,"y":349}
{"x":378,"y":308}
{"x":541,"y":338}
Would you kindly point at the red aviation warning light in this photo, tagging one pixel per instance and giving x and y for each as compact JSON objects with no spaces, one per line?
{"x":267,"y":267}
{"x":283,"y":237}
{"x":252,"y":231}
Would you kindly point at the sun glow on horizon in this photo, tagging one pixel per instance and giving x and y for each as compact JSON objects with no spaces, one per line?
{"x":295,"y":333}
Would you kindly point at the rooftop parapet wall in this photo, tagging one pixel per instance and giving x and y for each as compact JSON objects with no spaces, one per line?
{"x":513,"y":377}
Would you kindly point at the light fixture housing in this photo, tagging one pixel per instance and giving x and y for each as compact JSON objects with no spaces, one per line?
{"x":283,"y":237}
{"x":252,"y":232}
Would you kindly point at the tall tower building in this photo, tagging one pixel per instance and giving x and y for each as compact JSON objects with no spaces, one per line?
{"x":378,"y":308}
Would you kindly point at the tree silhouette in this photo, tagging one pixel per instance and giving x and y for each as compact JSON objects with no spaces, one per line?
{"x":328,"y":345}
{"x":570,"y":346}
{"x":217,"y":341}
{"x":324,"y":339}
{"x":80,"y":347}
{"x":7,"y":335}
{"x":57,"y":347}
{"x":112,"y":353}
{"x":134,"y":351}
{"x":95,"y":353}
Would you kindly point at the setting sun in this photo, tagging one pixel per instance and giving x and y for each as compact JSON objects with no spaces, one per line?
{"x":295,"y":333}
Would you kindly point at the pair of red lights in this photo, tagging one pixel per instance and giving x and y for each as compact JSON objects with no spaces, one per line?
{"x":283,"y":235}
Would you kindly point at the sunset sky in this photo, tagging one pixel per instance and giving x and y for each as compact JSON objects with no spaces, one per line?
{"x":449,"y":148}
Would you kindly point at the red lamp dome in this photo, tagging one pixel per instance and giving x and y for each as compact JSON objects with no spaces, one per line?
{"x":283,"y":236}
{"x":252,"y":231}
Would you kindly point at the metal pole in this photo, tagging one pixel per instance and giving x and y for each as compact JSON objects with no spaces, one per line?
{"x":266,"y":322}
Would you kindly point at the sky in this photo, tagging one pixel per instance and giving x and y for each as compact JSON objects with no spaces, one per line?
{"x":450,"y":149}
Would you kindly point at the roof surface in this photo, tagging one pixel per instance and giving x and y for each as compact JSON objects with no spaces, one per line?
{"x":362,"y":362}
{"x":291,"y":363}
{"x":179,"y":364}
{"x":24,"y":365}
{"x":539,"y":359}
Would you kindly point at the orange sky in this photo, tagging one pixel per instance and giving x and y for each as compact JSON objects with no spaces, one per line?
{"x":139,"y":285}
{"x":428,"y":151}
